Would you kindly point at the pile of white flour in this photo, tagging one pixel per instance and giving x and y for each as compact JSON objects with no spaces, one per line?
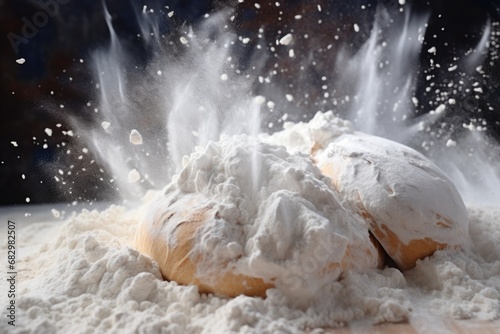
{"x":278,"y":218}
{"x":85,"y":277}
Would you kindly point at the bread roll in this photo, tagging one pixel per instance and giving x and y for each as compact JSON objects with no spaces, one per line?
{"x":168,"y":235}
{"x":411,"y":207}
{"x":242,"y":217}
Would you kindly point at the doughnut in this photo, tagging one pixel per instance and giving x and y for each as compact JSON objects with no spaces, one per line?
{"x":410,"y":205}
{"x":243,"y":217}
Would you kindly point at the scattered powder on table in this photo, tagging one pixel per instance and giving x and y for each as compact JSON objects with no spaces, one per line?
{"x":85,"y":277}
{"x":89,"y":279}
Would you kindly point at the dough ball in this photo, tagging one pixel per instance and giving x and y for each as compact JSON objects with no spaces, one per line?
{"x":411,"y":206}
{"x":169,"y":235}
{"x":243,"y":217}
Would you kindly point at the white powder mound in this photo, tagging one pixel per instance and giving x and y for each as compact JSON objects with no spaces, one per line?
{"x":464,"y":285}
{"x":306,"y":137}
{"x":485,"y":229}
{"x":88,"y":279}
{"x":83,"y":276}
{"x":287,"y":223}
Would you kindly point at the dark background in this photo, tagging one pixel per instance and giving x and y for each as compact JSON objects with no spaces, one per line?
{"x":53,"y":75}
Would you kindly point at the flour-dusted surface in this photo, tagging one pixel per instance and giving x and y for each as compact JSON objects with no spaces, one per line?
{"x":464,"y":285}
{"x":88,"y":279}
{"x":82,"y":275}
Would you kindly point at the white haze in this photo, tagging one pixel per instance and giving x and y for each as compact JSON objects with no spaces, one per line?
{"x":188,"y":102}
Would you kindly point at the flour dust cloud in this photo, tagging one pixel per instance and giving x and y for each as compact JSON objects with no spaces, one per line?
{"x":208,"y":83}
